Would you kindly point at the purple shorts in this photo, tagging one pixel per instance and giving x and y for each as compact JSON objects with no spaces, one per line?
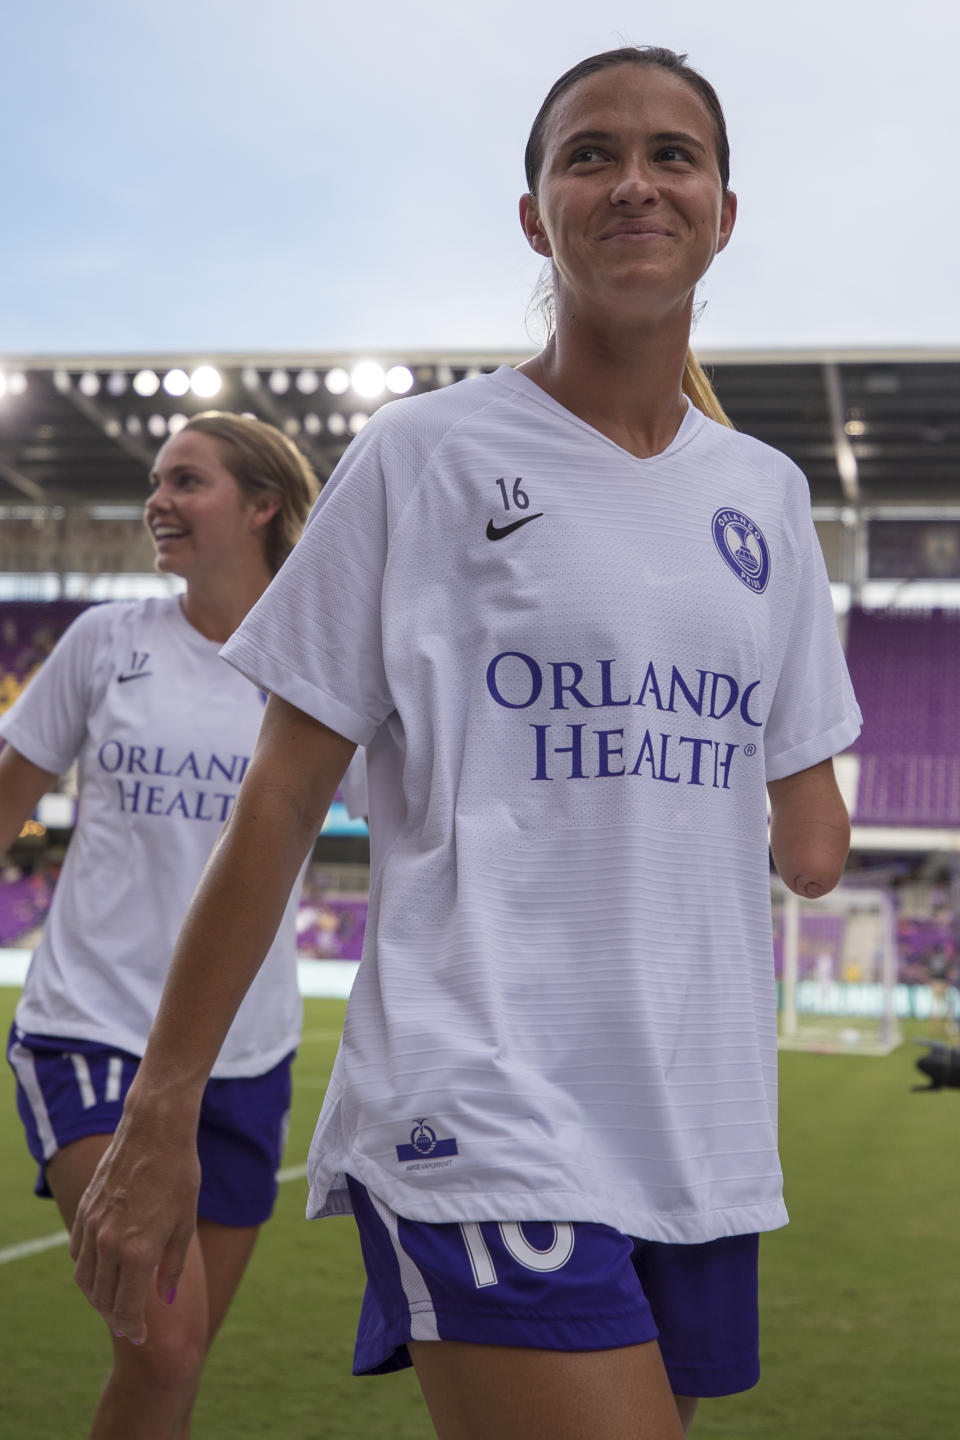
{"x":548,"y":1286}
{"x":70,"y":1088}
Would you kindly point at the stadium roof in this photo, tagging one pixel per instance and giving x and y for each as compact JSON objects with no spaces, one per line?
{"x":871,"y":429}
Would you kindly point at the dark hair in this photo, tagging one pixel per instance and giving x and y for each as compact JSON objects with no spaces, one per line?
{"x":264,"y":462}
{"x":629,"y":55}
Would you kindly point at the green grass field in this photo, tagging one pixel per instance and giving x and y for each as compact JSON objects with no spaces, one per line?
{"x":860,"y":1334}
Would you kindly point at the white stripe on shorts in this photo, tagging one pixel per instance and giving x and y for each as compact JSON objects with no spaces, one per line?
{"x":26,"y":1072}
{"x":423,"y":1319}
{"x":114,"y":1078}
{"x":82,"y":1071}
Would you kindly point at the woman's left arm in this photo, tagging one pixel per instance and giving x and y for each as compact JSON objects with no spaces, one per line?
{"x":809,"y":830}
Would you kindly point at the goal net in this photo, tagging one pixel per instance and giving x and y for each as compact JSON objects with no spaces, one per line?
{"x":837,"y":965}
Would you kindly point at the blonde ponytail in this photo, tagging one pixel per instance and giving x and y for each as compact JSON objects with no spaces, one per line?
{"x":697,"y":386}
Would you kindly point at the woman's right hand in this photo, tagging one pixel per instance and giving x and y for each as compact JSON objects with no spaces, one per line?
{"x":134,"y":1223}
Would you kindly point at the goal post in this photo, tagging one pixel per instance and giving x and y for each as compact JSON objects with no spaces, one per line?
{"x":838,"y":971}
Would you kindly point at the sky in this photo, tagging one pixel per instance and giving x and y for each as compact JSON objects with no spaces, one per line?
{"x":248,"y":176}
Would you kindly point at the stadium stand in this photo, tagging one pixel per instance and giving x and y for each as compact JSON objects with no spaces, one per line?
{"x":905,"y":668}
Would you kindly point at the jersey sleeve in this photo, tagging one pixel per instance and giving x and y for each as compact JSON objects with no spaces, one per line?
{"x":353,"y":787}
{"x":315,"y":636}
{"x":47,"y":722}
{"x":814,"y":713}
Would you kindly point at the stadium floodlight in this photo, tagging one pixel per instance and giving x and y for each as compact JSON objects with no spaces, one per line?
{"x":856,"y":427}
{"x":308,"y":382}
{"x":133,"y":425}
{"x":291,"y":427}
{"x":312,"y":424}
{"x":205,"y":381}
{"x":368,"y":379}
{"x":61,"y":380}
{"x":444,"y":375}
{"x":337,"y":381}
{"x":146,"y":383}
{"x":251,"y":378}
{"x":176,"y":423}
{"x":279,"y":382}
{"x":399,"y":379}
{"x":117,"y":383}
{"x":3,"y":384}
{"x":176,"y":382}
{"x":357,"y":421}
{"x":157,"y":426}
{"x":113,"y":428}
{"x":337,"y":424}
{"x":16,"y":383}
{"x":89,"y":384}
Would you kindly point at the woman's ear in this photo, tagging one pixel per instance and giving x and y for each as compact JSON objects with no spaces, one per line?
{"x":533,"y":227}
{"x":262,"y":510}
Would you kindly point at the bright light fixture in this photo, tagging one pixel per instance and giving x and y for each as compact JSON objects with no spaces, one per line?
{"x":117,"y":382}
{"x":205,"y":381}
{"x":176,"y":382}
{"x":337,"y":381}
{"x":3,"y":384}
{"x":146,"y":383}
{"x":312,"y":424}
{"x":176,"y":423}
{"x":279,"y":382}
{"x":157,"y":426}
{"x":357,"y":421}
{"x":336,"y":424}
{"x":89,"y":384}
{"x":399,"y":379}
{"x":16,"y":383}
{"x":368,"y":379}
{"x":308,"y":382}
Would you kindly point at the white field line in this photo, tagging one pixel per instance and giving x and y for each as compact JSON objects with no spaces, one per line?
{"x":48,"y":1242}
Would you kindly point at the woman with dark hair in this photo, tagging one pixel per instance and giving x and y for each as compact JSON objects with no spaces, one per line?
{"x":582,"y":627}
{"x":163,"y":731}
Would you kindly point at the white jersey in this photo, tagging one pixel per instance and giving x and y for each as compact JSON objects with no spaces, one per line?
{"x":163,"y":731}
{"x":574,"y":670}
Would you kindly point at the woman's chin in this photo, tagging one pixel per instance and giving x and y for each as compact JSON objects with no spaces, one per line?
{"x":167,"y":565}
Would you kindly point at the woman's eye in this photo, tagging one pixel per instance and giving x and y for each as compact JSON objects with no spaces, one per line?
{"x":587,"y":156}
{"x":674,"y":153}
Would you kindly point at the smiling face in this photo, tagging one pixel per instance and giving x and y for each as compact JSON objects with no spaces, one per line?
{"x":197,"y":516}
{"x":629,"y":207}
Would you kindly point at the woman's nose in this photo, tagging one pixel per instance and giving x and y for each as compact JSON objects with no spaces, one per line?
{"x":635,"y":185}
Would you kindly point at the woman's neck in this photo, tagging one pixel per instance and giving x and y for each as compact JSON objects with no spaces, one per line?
{"x":625,"y":381}
{"x":216,"y":607}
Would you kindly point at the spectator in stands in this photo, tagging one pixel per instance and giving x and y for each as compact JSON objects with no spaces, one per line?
{"x":579,"y":621}
{"x":163,"y":729}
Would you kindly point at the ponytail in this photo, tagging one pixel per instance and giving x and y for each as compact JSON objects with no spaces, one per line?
{"x":697,"y":386}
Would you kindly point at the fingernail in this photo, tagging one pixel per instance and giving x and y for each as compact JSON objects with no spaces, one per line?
{"x":171,"y":1295}
{"x":119,"y":1334}
{"x":136,"y":1342}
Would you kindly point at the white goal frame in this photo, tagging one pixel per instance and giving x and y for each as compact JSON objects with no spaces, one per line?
{"x":864,"y":1034}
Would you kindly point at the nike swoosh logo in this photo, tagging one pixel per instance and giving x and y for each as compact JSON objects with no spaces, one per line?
{"x":139,"y":675}
{"x":495,"y":532}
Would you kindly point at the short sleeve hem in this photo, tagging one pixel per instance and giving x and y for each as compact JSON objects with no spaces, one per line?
{"x":19,"y":737}
{"x":813,"y":751}
{"x":270,"y":675}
